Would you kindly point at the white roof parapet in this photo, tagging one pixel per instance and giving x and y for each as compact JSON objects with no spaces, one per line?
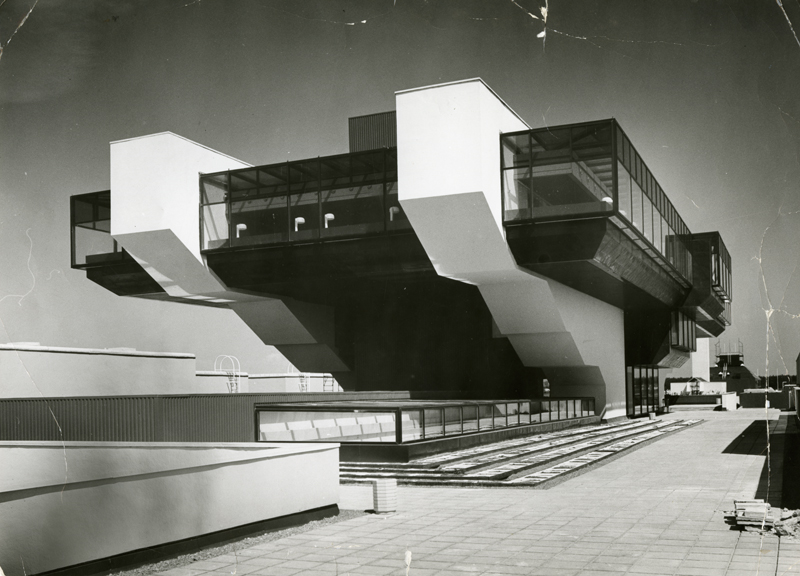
{"x":466,"y":81}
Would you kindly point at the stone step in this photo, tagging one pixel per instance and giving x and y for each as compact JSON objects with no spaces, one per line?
{"x":470,"y":458}
{"x":558,"y":466}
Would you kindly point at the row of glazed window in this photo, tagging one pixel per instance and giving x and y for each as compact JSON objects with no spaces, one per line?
{"x":306,"y":200}
{"x":412,"y":424}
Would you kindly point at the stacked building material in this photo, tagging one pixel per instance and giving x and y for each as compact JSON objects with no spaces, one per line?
{"x":756,"y":513}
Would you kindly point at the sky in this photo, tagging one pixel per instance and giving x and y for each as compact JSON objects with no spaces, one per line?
{"x":706,"y":90}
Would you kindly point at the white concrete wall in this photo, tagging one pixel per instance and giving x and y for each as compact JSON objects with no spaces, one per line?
{"x":700,"y":360}
{"x":154,"y":183}
{"x":448,"y":157}
{"x":154,"y":209}
{"x":48,"y":371}
{"x":155,"y":217}
{"x":211,"y":382}
{"x":268,"y":383}
{"x":63,"y":504}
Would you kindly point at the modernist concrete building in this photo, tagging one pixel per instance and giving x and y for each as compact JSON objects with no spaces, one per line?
{"x":453,"y":248}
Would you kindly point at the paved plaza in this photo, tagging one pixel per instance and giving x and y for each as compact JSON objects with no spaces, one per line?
{"x":657,"y":510}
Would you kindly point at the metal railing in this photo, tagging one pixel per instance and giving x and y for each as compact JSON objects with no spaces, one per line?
{"x":403,"y":422}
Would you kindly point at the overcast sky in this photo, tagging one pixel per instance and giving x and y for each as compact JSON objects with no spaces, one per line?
{"x":706,"y":90}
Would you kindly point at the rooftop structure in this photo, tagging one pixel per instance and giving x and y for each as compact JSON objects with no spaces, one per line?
{"x":453,"y":248}
{"x":731,"y":369}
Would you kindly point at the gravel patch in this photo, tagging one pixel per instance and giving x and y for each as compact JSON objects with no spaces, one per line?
{"x":234,"y":546}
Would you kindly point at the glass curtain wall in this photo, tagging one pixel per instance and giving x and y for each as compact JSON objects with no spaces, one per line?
{"x":644,"y":207}
{"x":642,"y":386}
{"x":303,"y":201}
{"x":683,"y":332}
{"x":408,"y":423}
{"x":90,"y":216}
{"x":721,"y":270}
{"x":559,"y":172}
{"x":725,"y":316}
{"x":584,"y":170}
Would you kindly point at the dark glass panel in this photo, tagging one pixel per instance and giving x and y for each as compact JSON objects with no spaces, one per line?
{"x":592,"y":137}
{"x":391,"y":163}
{"x":624,"y":192}
{"x":82,"y":211}
{"x":571,"y":173}
{"x":304,"y":175}
{"x":434,"y":425}
{"x":411,"y":421}
{"x":357,"y":209}
{"x":516,"y":150}
{"x":500,"y":416}
{"x":524,"y":412}
{"x":657,"y":237}
{"x":213,"y":189}
{"x":396,"y":218}
{"x":305,"y":215}
{"x":485,"y":416}
{"x":536,"y":411}
{"x":470,"y":418}
{"x":647,"y":218}
{"x":334,"y":171}
{"x":369,"y":164}
{"x":244,"y":179}
{"x":636,"y":206}
{"x":259,"y":221}
{"x":626,"y":160}
{"x":104,"y":213}
{"x":550,"y":147}
{"x":517,"y":199}
{"x":91,"y":226}
{"x":512,"y":414}
{"x":273,"y":179}
{"x":452,"y":419}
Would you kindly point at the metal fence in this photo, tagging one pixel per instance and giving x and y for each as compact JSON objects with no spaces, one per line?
{"x":195,"y":418}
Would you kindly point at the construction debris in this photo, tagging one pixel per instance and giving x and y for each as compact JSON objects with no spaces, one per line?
{"x":757,"y":515}
{"x":789,"y":524}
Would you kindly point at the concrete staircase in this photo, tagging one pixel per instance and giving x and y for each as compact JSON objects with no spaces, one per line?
{"x":530,"y":461}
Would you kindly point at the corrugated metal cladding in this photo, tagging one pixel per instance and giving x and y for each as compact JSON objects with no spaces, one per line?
{"x":373,"y":131}
{"x":201,"y":418}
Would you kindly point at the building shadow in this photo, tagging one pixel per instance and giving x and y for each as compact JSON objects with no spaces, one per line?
{"x":777,"y":483}
{"x":791,"y":463}
{"x":752,"y":440}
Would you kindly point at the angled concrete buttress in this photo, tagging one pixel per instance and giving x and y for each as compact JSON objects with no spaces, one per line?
{"x":155,"y":217}
{"x":448,"y":140}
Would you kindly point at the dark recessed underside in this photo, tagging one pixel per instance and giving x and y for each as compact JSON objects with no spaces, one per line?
{"x":593,"y":257}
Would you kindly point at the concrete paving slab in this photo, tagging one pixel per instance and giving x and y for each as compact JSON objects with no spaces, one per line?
{"x":658,"y":510}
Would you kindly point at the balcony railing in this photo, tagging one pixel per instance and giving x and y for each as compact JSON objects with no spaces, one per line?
{"x":331,"y":197}
{"x":90,"y":219}
{"x":408,"y":421}
{"x":591,"y":170}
